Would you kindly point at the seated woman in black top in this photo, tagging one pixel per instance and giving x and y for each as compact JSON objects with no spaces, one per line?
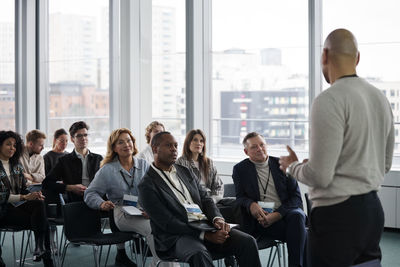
{"x":60,"y":143}
{"x":20,"y":207}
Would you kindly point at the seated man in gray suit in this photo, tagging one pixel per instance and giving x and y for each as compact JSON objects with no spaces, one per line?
{"x":179,"y":210}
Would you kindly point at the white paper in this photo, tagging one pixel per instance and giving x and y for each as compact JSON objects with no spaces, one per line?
{"x":131,"y":210}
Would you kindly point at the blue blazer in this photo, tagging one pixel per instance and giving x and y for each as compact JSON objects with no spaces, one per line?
{"x":247,"y":190}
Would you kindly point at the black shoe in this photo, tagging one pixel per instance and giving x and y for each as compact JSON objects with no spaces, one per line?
{"x":47,"y":260}
{"x":37,"y":255}
{"x":123,"y":260}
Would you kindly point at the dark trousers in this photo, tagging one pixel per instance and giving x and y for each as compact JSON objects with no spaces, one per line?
{"x":290,"y":229}
{"x":347,"y":233}
{"x":199,"y":253}
{"x":30,"y":215}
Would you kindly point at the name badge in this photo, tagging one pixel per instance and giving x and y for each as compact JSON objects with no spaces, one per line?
{"x":192,"y":208}
{"x":267,"y":206}
{"x":130,"y":200}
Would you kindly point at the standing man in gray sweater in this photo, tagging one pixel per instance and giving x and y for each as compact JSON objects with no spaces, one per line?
{"x":352,"y":140}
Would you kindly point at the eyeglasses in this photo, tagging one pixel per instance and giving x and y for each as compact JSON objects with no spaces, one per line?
{"x":81,"y":136}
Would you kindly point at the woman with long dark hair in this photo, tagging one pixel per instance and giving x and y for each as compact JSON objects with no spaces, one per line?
{"x":195,"y":158}
{"x":60,"y":143}
{"x":20,"y":207}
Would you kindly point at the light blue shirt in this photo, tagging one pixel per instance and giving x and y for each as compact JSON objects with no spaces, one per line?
{"x":114,"y":181}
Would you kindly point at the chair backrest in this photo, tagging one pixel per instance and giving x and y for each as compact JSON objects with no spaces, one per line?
{"x":80,"y":220}
{"x":229,"y":190}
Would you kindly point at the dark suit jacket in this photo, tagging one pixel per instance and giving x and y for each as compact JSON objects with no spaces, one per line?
{"x":168,"y":218}
{"x":247,"y":190}
{"x":69,"y":170}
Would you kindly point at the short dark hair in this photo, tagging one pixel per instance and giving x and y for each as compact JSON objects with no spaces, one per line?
{"x":4,"y":135}
{"x":76,"y":126}
{"x":250,"y":135}
{"x":156,"y":140}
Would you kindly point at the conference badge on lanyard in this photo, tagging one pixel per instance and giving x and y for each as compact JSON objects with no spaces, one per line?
{"x":192,"y":208}
{"x":130,"y":200}
{"x":267,"y":206}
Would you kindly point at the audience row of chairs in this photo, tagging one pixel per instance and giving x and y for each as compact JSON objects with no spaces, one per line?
{"x":88,"y":230}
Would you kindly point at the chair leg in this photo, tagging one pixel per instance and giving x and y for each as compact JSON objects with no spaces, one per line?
{"x":96,"y":256}
{"x":4,"y":237}
{"x":22,"y":260}
{"x":279,"y":255}
{"x":284,"y":254}
{"x":269,"y":258}
{"x":64,"y":252}
{"x":108,"y":254}
{"x":15,"y":257}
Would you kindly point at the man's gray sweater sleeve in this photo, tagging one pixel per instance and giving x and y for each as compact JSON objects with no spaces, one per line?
{"x":327,"y":126}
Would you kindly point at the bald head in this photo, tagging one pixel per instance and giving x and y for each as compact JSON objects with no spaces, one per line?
{"x":340,"y":56}
{"x":342,"y":42}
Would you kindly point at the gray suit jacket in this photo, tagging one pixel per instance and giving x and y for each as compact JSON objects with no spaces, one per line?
{"x":168,"y":218}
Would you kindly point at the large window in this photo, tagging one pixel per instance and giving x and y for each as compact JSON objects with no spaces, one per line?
{"x":168,"y":65}
{"x":7,"y":65}
{"x":79,"y":67}
{"x":378,"y":39}
{"x":259,"y":74}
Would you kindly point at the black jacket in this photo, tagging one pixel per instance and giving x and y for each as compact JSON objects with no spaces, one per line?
{"x":247,"y":190}
{"x":69,"y":170}
{"x":168,"y":218}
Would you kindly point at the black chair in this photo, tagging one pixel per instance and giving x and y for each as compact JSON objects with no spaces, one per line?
{"x":13,"y":230}
{"x":229,"y":190}
{"x":228,"y":207}
{"x":136,"y":241}
{"x":275,"y":246}
{"x":82,"y":226}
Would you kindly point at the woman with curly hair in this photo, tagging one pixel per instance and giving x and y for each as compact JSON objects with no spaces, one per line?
{"x":18,"y":206}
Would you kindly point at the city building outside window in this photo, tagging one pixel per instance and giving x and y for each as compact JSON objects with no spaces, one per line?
{"x":169,"y":65}
{"x":7,"y":65}
{"x":259,"y":75}
{"x":79,"y":67}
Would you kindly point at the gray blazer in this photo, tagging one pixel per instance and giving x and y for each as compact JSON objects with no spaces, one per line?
{"x":168,"y":218}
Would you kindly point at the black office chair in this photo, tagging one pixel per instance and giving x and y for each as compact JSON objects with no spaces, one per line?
{"x":137,"y":241}
{"x":275,"y":246}
{"x":82,"y":225}
{"x":228,"y":207}
{"x":24,"y":248}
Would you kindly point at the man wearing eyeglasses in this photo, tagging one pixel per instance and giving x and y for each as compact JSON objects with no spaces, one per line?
{"x":76,"y":169}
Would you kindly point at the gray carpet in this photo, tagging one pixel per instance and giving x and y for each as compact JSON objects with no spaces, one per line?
{"x":83,"y":256}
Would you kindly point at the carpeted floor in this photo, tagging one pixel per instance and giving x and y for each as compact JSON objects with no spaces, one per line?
{"x":83,"y":256}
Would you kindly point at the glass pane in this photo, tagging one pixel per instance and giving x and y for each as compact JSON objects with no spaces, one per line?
{"x":379,"y":45}
{"x":259,"y":75}
{"x":7,"y":65}
{"x":78,"y":67}
{"x":168,"y":63}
